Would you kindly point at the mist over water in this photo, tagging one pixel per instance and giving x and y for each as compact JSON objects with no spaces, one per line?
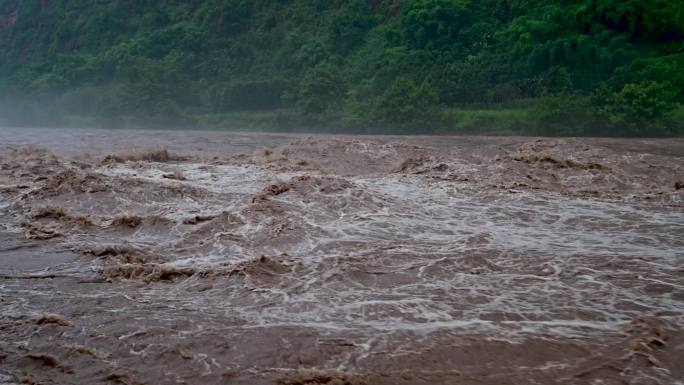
{"x":208,"y":257}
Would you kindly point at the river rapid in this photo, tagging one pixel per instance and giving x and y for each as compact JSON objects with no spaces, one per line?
{"x":190,"y":257}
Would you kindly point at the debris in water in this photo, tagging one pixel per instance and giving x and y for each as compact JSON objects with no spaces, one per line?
{"x":175,"y":175}
{"x":646,"y":334}
{"x":198,"y":219}
{"x":39,"y":232}
{"x":319,"y":379}
{"x":120,"y":378}
{"x":262,"y":264}
{"x":145,"y":155}
{"x":278,"y":188}
{"x":560,"y":163}
{"x":44,"y":359}
{"x":86,"y":350}
{"x":55,"y":212}
{"x":274,"y":189}
{"x":147,"y":272}
{"x":58,"y":212}
{"x":127,"y":220}
{"x":52,"y":319}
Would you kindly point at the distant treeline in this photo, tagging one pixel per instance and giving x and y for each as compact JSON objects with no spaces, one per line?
{"x":553,"y":67}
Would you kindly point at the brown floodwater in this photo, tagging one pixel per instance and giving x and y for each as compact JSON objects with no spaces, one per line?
{"x":177,"y":257}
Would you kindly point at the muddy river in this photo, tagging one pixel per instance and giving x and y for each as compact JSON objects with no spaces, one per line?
{"x":175,"y":257}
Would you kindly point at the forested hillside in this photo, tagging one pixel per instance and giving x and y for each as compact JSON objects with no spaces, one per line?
{"x":555,"y":67}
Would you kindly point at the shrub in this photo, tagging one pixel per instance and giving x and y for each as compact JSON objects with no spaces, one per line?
{"x":405,"y":104}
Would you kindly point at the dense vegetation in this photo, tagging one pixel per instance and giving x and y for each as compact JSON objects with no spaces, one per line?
{"x":558,"y":67}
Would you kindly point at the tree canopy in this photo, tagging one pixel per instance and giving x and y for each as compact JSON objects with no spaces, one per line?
{"x":615,"y":66}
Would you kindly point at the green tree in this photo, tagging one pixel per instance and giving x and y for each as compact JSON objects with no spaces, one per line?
{"x":406,"y":104}
{"x":321,"y":89}
{"x":637,"y":105}
{"x":434,"y":24}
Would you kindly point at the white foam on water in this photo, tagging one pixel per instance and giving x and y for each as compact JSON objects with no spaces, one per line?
{"x":447,"y":258}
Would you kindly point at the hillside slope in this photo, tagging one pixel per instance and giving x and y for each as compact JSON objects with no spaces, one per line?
{"x":553,"y":67}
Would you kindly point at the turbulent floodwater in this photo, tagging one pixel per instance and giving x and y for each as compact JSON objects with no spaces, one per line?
{"x":153,"y":257}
